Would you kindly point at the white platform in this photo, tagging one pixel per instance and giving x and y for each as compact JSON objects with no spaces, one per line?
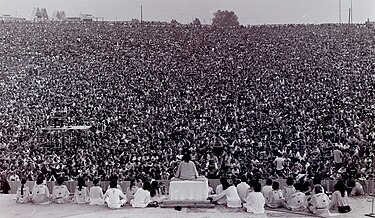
{"x":188,"y":190}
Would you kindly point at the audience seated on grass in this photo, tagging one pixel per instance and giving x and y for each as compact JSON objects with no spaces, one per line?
{"x":254,"y":202}
{"x":96,"y":194}
{"x":319,"y":203}
{"x":275,"y":198}
{"x":243,"y":188}
{"x":114,"y":196}
{"x":60,"y":193}
{"x":297,"y":200}
{"x":230,"y":192}
{"x":81,"y":193}
{"x":131,"y":190}
{"x":40,"y":193}
{"x":23,"y":193}
{"x":339,"y":199}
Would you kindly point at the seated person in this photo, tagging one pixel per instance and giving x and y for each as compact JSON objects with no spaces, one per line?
{"x":219,"y":189}
{"x":267,"y":189}
{"x":81,"y":193}
{"x":357,"y":190}
{"x":186,"y":170}
{"x":297,"y":200}
{"x":275,"y":197}
{"x":23,"y":193}
{"x":142,"y":197}
{"x":319,"y":203}
{"x":231,"y":194}
{"x":339,"y":199}
{"x":118,"y":186}
{"x":243,"y":188}
{"x":114,"y":196}
{"x":131,"y":190}
{"x":40,"y":193}
{"x":155,"y":192}
{"x":96,"y":194}
{"x":60,"y":193}
{"x":288,"y":189}
{"x":254,"y":202}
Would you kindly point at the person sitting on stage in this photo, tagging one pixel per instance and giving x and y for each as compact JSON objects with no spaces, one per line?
{"x":186,"y":169}
{"x":60,"y":193}
{"x":255,"y":201}
{"x":142,"y":197}
{"x":339,"y":199}
{"x":243,"y":188}
{"x":319,"y":203}
{"x":23,"y":193}
{"x":297,"y":200}
{"x":40,"y":193}
{"x":114,"y":196}
{"x":131,"y":190}
{"x":275,"y":198}
{"x":96,"y":194}
{"x":231,"y":194}
{"x":219,"y":189}
{"x":81,"y":193}
{"x":288,"y":189}
{"x":155,"y":192}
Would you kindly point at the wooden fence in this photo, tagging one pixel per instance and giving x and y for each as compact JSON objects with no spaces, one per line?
{"x":368,"y":185}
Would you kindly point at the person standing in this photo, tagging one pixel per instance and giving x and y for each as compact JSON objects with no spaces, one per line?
{"x":337,"y":158}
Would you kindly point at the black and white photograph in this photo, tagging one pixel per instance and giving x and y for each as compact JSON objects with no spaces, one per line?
{"x":187,"y":108}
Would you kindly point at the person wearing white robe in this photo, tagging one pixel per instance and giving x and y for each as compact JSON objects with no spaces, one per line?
{"x":131,"y":190}
{"x":231,"y":194}
{"x":60,"y":193}
{"x":243,"y":188}
{"x":288,"y":189}
{"x":319,"y":203}
{"x":275,"y":197}
{"x":142,"y":197}
{"x":267,"y":189}
{"x":96,"y":194}
{"x":23,"y":193}
{"x":40,"y":193}
{"x":297,"y":200}
{"x":114,"y":196}
{"x":254,"y":202}
{"x":81,"y":193}
{"x":219,"y":189}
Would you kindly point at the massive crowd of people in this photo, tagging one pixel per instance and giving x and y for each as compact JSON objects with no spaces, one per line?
{"x":264,"y":101}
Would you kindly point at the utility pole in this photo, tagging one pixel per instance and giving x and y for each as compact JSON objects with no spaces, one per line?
{"x":351,"y":11}
{"x":141,"y":14}
{"x":349,"y":15}
{"x":339,"y":11}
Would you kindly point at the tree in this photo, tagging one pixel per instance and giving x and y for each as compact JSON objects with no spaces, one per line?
{"x":196,"y":22}
{"x":225,"y":18}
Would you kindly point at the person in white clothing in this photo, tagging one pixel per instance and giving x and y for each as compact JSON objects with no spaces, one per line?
{"x":60,"y":193}
{"x":142,"y":197}
{"x":40,"y":193}
{"x":319,"y":203}
{"x":243,"y":188}
{"x":231,"y":194}
{"x":96,"y":194}
{"x":118,"y":186}
{"x":267,"y":189}
{"x":219,"y":189}
{"x":254,"y":202}
{"x":81,"y":193}
{"x":114,"y":197}
{"x":23,"y":193}
{"x":275,"y":197}
{"x":131,"y":190}
{"x":297,"y":200}
{"x":288,"y":189}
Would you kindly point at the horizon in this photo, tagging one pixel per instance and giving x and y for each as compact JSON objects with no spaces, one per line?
{"x":249,"y":12}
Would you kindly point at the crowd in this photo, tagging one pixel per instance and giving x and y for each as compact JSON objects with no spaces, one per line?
{"x":265,"y":101}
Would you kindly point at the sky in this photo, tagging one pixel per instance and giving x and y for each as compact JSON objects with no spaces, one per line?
{"x":184,"y":11}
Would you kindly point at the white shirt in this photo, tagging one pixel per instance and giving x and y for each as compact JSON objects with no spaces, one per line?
{"x":255,"y":203}
{"x":266,"y":190}
{"x":25,"y":197}
{"x":96,"y":195}
{"x":233,"y":200}
{"x":219,"y":189}
{"x":141,"y":198}
{"x":81,"y":196}
{"x":60,"y":191}
{"x":242,"y":190}
{"x":40,"y":194}
{"x":112,"y":197}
